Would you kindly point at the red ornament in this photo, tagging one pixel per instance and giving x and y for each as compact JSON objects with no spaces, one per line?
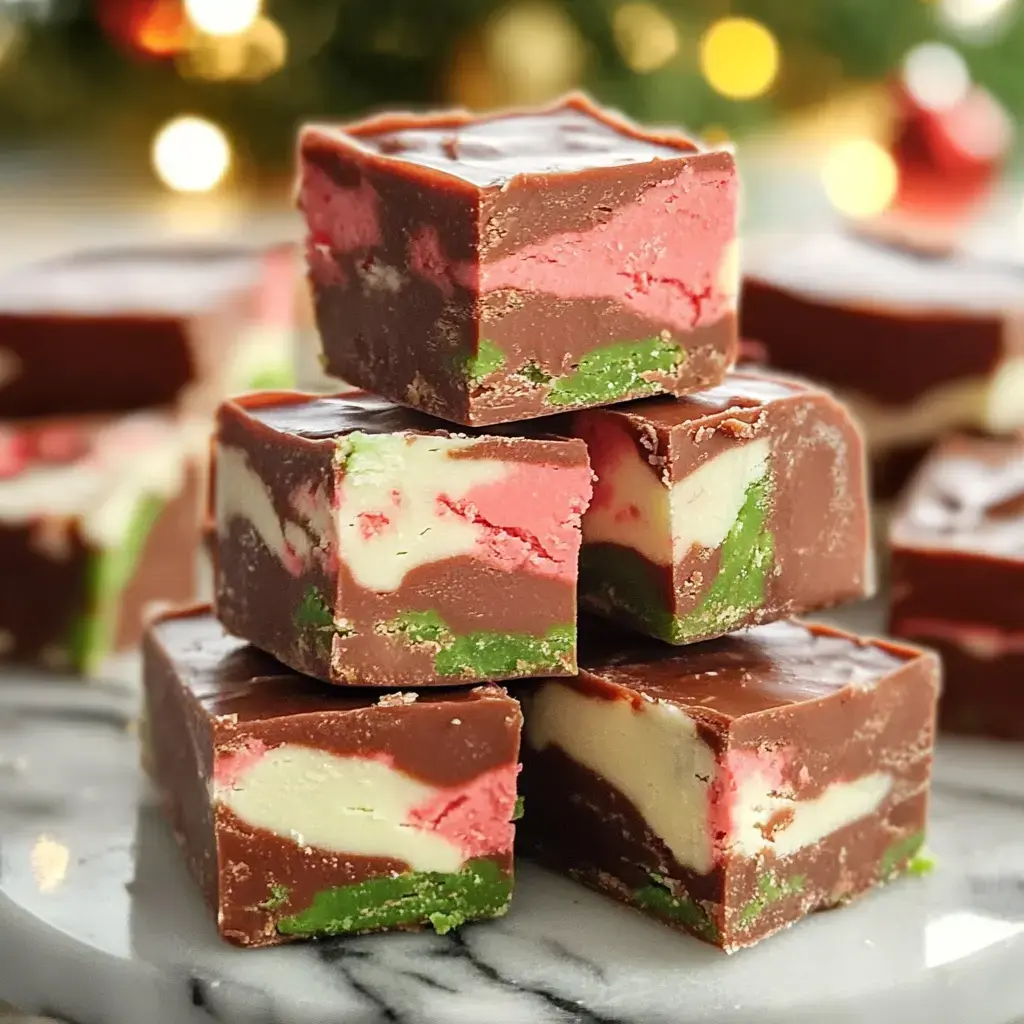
{"x":149,"y":28}
{"x":948,"y":157}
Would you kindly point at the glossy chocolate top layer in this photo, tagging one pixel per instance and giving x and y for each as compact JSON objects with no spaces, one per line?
{"x":968,"y":496}
{"x":860,"y":270}
{"x":485,"y":151}
{"x":318,"y":417}
{"x":229,"y":677}
{"x":739,"y":391}
{"x":750,"y":671}
{"x":171,"y":280}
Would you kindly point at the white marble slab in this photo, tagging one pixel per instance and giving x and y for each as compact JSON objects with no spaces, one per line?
{"x":99,"y":923}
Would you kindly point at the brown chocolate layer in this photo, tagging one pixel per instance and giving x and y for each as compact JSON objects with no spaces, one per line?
{"x":246,"y":694}
{"x":957,"y":537}
{"x":119,"y":329}
{"x":981,"y":695}
{"x":41,"y":597}
{"x":815,"y":303}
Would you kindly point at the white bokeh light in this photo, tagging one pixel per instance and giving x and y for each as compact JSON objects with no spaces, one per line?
{"x":191,"y":154}
{"x":222,"y":17}
{"x":936,"y":76}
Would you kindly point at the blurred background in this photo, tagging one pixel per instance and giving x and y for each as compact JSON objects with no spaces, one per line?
{"x":178,"y":116}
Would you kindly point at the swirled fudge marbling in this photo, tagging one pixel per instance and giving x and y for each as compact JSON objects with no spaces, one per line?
{"x":733,"y":506}
{"x":305,"y":811}
{"x":733,"y":786}
{"x":491,"y":269}
{"x":364,"y":544}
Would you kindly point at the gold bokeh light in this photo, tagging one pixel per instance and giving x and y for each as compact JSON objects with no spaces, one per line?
{"x":191,"y":154}
{"x":739,"y":57}
{"x":645,"y":35}
{"x":860,"y":177}
{"x":222,"y":17}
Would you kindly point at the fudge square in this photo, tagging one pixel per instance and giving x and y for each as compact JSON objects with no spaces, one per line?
{"x":917,"y":344}
{"x":492,"y":269}
{"x":358,"y":542}
{"x":737,"y":505}
{"x":304,"y":810}
{"x":731,"y":787}
{"x":115,"y":330}
{"x":958,"y":579}
{"x":99,"y":517}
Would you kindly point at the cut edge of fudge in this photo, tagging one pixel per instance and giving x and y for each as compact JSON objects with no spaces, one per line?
{"x":104,"y":511}
{"x":247,"y":755}
{"x":771,"y":800}
{"x":319,"y":557}
{"x":706,"y":514}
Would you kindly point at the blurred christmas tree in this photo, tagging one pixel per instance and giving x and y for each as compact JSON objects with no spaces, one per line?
{"x":112,"y":72}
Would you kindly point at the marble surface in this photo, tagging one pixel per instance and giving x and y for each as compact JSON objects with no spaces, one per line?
{"x":101,"y":925}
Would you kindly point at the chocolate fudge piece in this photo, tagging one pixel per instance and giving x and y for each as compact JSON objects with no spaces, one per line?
{"x":304,"y":810}
{"x":360,"y":543}
{"x":115,"y":330}
{"x":98,"y":518}
{"x":731,"y":787}
{"x":737,"y":505}
{"x":917,"y":343}
{"x":492,"y":269}
{"x":958,"y":579}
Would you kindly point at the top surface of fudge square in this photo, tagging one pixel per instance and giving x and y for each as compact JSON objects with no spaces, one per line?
{"x":234,"y":681}
{"x":967,"y":497}
{"x":171,"y":281}
{"x":747,"y":673}
{"x":842,"y":267}
{"x":323,"y":417}
{"x":740,"y":392}
{"x":487,"y":151}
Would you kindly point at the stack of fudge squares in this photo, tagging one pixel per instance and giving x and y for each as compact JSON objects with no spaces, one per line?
{"x":112,"y":363}
{"x":541,"y":309}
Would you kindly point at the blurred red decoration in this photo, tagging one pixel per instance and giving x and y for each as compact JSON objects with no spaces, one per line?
{"x":948,"y":157}
{"x":149,"y":28}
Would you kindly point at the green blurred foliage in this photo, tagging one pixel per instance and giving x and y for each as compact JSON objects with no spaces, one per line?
{"x":67,"y":79}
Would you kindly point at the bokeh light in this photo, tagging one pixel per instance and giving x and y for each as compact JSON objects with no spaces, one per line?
{"x":162,"y":30}
{"x":860,"y":177}
{"x":645,"y":35}
{"x":222,"y":17}
{"x":936,"y":76}
{"x":252,"y":56}
{"x":535,"y":51}
{"x":191,"y":154}
{"x":739,"y":57}
{"x":972,"y":14}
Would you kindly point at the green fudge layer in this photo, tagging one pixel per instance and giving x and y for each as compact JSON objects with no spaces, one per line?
{"x":108,"y":573}
{"x":444,"y":901}
{"x":609,"y":373}
{"x":618,"y":578}
{"x":666,"y":900}
{"x":484,"y":653}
